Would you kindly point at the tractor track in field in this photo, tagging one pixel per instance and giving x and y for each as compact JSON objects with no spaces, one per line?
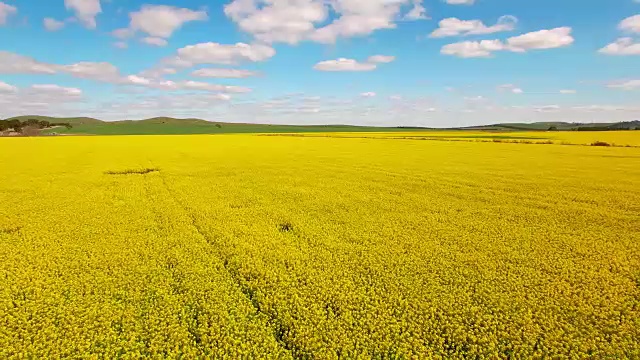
{"x":279,"y":329}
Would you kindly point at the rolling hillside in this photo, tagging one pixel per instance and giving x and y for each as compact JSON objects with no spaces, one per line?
{"x":167,"y":125}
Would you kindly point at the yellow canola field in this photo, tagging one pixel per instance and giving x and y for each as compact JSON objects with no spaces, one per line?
{"x":276,"y":247}
{"x":614,"y":138}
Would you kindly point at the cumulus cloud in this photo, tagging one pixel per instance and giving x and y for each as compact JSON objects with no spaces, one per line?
{"x":50,"y":99}
{"x":85,"y":10}
{"x":11,"y":63}
{"x":510,"y":88}
{"x":568,"y":91}
{"x":380,"y":59}
{"x":343,"y":64}
{"x":123,"y":33}
{"x":161,"y":21}
{"x":196,"y":85}
{"x":154,"y":41}
{"x":56,"y":89}
{"x":168,"y":85}
{"x":223,"y":73}
{"x":460,"y":2}
{"x":472,"y":49}
{"x":7,"y":88}
{"x":158,"y":72}
{"x":456,"y":27}
{"x":105,"y":72}
{"x":295,"y":21}
{"x":630,"y":24}
{"x":214,"y":53}
{"x":625,"y":85}
{"x":52,"y":24}
{"x":418,"y":12}
{"x":102,"y":71}
{"x":622,"y":46}
{"x":277,"y":21}
{"x":368,"y":94}
{"x":120,"y":44}
{"x":543,"y":39}
{"x":6,"y":10}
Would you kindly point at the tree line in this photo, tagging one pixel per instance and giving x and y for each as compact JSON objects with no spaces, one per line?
{"x":20,"y":126}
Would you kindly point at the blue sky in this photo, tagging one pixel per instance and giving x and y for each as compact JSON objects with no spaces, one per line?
{"x":374,"y":62}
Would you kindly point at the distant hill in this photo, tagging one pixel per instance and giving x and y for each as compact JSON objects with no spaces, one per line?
{"x":173,"y":126}
{"x":168,"y":125}
{"x":73,"y":121}
{"x":559,"y":126}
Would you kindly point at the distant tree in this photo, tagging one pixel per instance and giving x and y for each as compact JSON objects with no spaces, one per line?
{"x":553,"y":128}
{"x":43,"y":124}
{"x":218,"y":126}
{"x":15,"y":124}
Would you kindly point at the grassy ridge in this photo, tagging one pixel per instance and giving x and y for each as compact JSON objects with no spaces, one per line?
{"x":167,"y":125}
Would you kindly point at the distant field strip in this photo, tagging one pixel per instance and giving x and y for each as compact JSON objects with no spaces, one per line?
{"x":290,"y":247}
{"x":610,"y":138}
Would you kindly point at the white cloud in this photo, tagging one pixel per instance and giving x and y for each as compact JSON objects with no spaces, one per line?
{"x":158,"y":72}
{"x":102,"y":71}
{"x":543,"y":39}
{"x":472,"y":49}
{"x":625,"y":85}
{"x":138,"y":80}
{"x":418,"y":12}
{"x":547,"y":108}
{"x":292,"y":21}
{"x":106,"y":72}
{"x":568,"y":91}
{"x":6,"y":88}
{"x":356,"y":24}
{"x":56,"y":89}
{"x":475,"y":99}
{"x":155,"y":41}
{"x":223,"y":73}
{"x":277,"y":21}
{"x":6,"y":10}
{"x":622,"y":46}
{"x":52,"y":24}
{"x":85,"y":10}
{"x":630,"y":24}
{"x":343,"y":64}
{"x":123,"y":33}
{"x":196,"y":85}
{"x":160,"y":21}
{"x":368,"y":94}
{"x":120,"y":44}
{"x":214,"y":53}
{"x":457,"y":27}
{"x":11,"y":63}
{"x":380,"y":59}
{"x":510,"y":88}
{"x":460,"y":2}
